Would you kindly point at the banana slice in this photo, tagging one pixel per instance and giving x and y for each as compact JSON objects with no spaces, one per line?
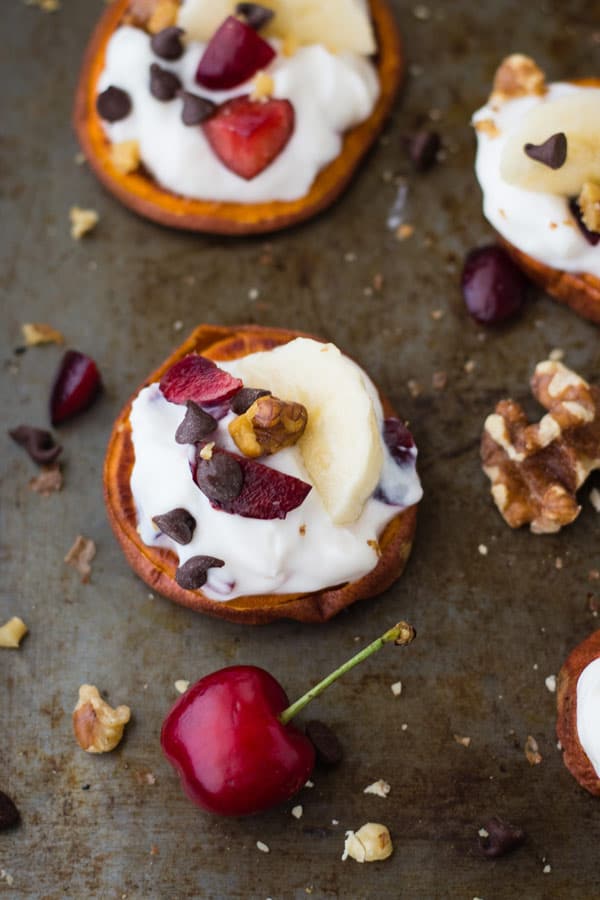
{"x":341,"y":447}
{"x":343,"y":24}
{"x":578,"y":116}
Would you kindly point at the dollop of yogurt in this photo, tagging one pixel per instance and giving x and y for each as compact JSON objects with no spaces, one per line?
{"x":588,"y":712}
{"x":539,"y":224}
{"x":330,"y":93}
{"x":303,"y":552}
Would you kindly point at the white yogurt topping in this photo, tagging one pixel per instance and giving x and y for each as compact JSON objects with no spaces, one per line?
{"x":538,"y":224}
{"x":330,"y":93}
{"x":588,"y":712}
{"x":261,"y":556}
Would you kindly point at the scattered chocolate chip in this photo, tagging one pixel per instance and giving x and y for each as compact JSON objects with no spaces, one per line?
{"x":163,"y":84}
{"x":192,"y":574}
{"x":551,"y":153}
{"x":423,"y":147}
{"x":220,"y":478}
{"x":85,"y":787}
{"x":244,"y":399}
{"x":196,"y":109}
{"x":39,"y":444}
{"x":19,"y":351}
{"x":592,"y":237}
{"x":255,"y":15}
{"x":177,"y":524}
{"x":167,"y":43}
{"x":9,"y":814}
{"x":501,"y":838}
{"x":113,"y":104}
{"x":195,"y":425}
{"x":327,"y":747}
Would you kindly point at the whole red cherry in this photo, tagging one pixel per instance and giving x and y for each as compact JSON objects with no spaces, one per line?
{"x":230,"y":739}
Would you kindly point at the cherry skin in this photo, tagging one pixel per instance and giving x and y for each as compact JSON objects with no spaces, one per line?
{"x":233,"y":755}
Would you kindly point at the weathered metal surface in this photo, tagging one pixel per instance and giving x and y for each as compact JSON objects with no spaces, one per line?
{"x":491,"y":628}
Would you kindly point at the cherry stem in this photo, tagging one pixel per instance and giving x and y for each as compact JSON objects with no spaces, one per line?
{"x":401,"y":634}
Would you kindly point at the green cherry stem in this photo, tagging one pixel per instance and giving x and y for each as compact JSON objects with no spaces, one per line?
{"x":401,"y":634}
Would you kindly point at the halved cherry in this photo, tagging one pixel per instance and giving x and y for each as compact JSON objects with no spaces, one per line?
{"x":234,"y":53}
{"x":197,"y":378}
{"x":76,"y":386}
{"x":247,"y":135}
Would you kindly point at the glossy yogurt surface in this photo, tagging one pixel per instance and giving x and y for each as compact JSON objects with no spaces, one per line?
{"x":588,"y":712}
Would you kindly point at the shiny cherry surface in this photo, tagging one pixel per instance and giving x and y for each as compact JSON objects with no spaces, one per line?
{"x":493,"y":286}
{"x":233,"y":755}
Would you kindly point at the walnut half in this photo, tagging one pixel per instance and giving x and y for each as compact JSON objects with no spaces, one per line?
{"x":517,"y":76}
{"x":98,"y":727}
{"x":268,"y":425}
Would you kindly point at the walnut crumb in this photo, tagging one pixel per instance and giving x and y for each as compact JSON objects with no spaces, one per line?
{"x":370,"y":843}
{"x":469,"y":366}
{"x":35,"y":333}
{"x":207,"y":451}
{"x":517,"y":76}
{"x":82,"y":221}
{"x":550,"y":683}
{"x":262,"y":87}
{"x":414,"y":388}
{"x":164,"y":15}
{"x":49,"y":481}
{"x":532,"y":754}
{"x":380,"y":788}
{"x":463,"y":740}
{"x":396,"y":688}
{"x":482,"y":549}
{"x":439,"y":380}
{"x":181,"y":685}
{"x":437,"y":314}
{"x":12,"y":633}
{"x":404,"y":231}
{"x":297,"y":811}
{"x":302,"y":530}
{"x":125,"y":156}
{"x":264,"y":848}
{"x":81,"y":555}
{"x":97,"y":726}
{"x":487,"y":126}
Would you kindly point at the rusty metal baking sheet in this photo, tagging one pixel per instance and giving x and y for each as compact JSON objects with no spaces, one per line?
{"x":491,"y":627}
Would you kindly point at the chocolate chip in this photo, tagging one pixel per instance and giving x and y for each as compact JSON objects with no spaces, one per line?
{"x":113,"y":104}
{"x":9,"y":814}
{"x":551,"y":153}
{"x":501,"y":838}
{"x":177,"y":524}
{"x":85,"y":787}
{"x":167,"y":43}
{"x":195,"y":425}
{"x":196,"y":109}
{"x":220,"y":478}
{"x":244,"y":399}
{"x":327,"y":747}
{"x":39,"y":444}
{"x":192,"y":574}
{"x":163,"y":83}
{"x":592,"y":237}
{"x":255,"y":15}
{"x":423,"y":147}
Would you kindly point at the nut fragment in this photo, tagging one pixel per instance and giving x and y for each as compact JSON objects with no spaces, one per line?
{"x":589,"y":204}
{"x":35,"y":333}
{"x":369,"y":844}
{"x":517,"y":76}
{"x":268,"y":425}
{"x":163,"y":16}
{"x":262,"y":86}
{"x":125,"y":156}
{"x":98,"y":727}
{"x":80,"y":556}
{"x":380,"y":788}
{"x":536,"y":469}
{"x":534,"y":757}
{"x":12,"y":633}
{"x":49,"y":481}
{"x":82,"y":221}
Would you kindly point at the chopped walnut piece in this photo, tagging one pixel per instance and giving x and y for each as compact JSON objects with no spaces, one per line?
{"x":162,"y":16}
{"x":268,"y":425}
{"x":125,"y":156}
{"x":82,"y":221}
{"x":536,"y":469}
{"x":98,"y":727}
{"x":404,"y":231}
{"x":49,"y":481}
{"x":262,"y":86}
{"x":370,"y":843}
{"x":463,"y":740}
{"x":380,"y":788}
{"x":534,"y":757}
{"x":80,"y":556}
{"x":207,"y":451}
{"x":487,"y":126}
{"x":589,"y":204}
{"x":12,"y":633}
{"x":35,"y":333}
{"x":517,"y":76}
